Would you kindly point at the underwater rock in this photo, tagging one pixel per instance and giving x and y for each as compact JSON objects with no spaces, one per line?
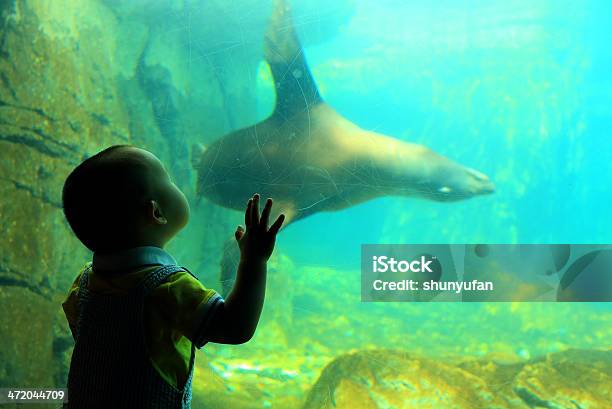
{"x":397,"y":379}
{"x":58,"y":103}
{"x":571,"y":379}
{"x":25,"y":357}
{"x":245,"y":384}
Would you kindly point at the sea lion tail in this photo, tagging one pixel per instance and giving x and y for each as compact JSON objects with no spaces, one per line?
{"x":281,"y":43}
{"x":295,"y":87}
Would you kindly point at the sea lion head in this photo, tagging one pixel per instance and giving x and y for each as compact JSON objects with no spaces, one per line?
{"x":456,"y":183}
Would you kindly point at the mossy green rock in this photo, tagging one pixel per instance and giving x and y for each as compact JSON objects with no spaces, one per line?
{"x":397,"y":379}
{"x":58,"y":102}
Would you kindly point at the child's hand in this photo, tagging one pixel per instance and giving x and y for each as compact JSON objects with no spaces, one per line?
{"x":257,"y":242}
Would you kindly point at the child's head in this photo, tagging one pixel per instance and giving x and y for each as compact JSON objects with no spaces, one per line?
{"x":123,"y":197}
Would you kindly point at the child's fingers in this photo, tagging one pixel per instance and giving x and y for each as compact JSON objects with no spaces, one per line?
{"x":277,"y":224}
{"x":247,"y":214}
{"x":265,"y":215}
{"x":255,"y":210}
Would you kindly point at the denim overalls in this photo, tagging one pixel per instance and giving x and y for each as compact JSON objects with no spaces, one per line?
{"x":110,"y":365}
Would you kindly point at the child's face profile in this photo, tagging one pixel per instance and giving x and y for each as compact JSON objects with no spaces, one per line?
{"x":167,"y":210}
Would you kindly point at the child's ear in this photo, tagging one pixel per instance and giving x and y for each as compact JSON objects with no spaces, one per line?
{"x":156,"y":213}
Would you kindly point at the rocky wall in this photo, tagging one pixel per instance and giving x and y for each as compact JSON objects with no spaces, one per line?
{"x":397,"y":379}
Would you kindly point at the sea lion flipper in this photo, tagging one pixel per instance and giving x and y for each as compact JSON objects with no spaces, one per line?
{"x":286,"y":207}
{"x":295,"y":88}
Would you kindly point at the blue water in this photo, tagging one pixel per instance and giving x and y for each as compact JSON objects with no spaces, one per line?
{"x":517,"y":89}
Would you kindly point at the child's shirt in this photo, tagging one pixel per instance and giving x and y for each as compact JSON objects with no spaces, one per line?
{"x":176,"y":313}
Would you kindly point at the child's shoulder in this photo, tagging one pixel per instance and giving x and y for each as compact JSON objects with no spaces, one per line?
{"x":183,"y":284}
{"x":181,"y":280}
{"x":77,"y":280}
{"x":69,"y":305}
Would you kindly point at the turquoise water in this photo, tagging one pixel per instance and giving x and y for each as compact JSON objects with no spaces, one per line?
{"x":518,"y":90}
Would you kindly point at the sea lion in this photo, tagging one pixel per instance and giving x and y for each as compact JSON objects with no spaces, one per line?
{"x":309,"y":158}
